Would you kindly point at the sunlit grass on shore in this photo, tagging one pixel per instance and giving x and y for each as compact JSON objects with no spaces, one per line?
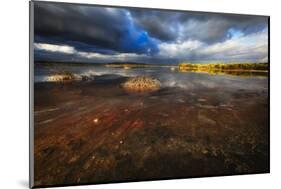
{"x":234,"y":69}
{"x":225,"y":66}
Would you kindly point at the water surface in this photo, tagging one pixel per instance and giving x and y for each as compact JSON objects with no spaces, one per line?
{"x":197,"y":124}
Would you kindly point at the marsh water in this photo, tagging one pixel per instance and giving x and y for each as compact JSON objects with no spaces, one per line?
{"x":197,"y":124}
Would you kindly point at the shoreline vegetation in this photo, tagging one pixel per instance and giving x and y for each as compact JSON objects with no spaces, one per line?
{"x":234,"y":69}
{"x":226,"y":66}
{"x":184,"y":65}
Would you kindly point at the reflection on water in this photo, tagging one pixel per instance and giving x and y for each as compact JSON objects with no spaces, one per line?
{"x":169,"y":77}
{"x":196,"y":124}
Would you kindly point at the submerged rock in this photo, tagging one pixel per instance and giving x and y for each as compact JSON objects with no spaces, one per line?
{"x":87,"y":78}
{"x":141,"y":84}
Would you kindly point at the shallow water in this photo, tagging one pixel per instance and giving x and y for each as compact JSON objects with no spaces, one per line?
{"x":197,"y":124}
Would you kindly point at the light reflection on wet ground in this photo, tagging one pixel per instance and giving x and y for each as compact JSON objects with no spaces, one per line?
{"x":195,"y":125}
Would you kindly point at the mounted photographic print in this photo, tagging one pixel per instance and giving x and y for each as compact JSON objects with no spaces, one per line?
{"x":121,"y":94}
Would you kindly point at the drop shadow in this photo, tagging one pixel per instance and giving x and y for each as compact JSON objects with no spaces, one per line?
{"x":24,"y":183}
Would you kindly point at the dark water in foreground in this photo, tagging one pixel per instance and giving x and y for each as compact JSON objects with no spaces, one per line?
{"x":197,"y":124}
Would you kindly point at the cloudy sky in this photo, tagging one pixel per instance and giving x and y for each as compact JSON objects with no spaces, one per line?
{"x":64,"y":32}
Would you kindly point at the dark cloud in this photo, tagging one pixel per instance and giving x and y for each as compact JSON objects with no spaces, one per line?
{"x":158,"y":24}
{"x":134,"y":34}
{"x":205,"y":27}
{"x":216,"y":27}
{"x":98,"y":26}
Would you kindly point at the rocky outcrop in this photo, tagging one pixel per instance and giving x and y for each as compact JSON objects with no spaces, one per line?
{"x":63,"y":76}
{"x":141,"y":84}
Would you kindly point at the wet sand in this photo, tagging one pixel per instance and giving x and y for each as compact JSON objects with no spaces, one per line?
{"x":96,"y":132}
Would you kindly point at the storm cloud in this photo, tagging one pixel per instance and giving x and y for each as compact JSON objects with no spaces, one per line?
{"x":206,"y":27}
{"x":67,"y":32}
{"x":89,"y":28}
